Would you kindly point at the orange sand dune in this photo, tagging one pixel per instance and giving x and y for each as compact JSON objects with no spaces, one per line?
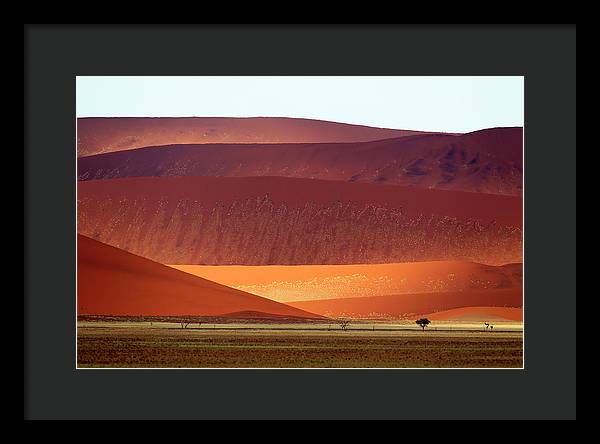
{"x":285,"y":221}
{"x":407,"y":305}
{"x":308,"y":282}
{"x":114,"y":282}
{"x":257,"y":315}
{"x":488,"y":161}
{"x":101,"y":134}
{"x":478,"y":314}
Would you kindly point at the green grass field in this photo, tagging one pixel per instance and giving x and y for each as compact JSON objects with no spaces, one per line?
{"x":239,"y":345}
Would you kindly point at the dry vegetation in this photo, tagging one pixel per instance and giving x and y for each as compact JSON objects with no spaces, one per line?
{"x":167,"y":345}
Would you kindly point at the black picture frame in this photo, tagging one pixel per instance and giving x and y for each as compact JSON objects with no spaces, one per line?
{"x":55,"y":54}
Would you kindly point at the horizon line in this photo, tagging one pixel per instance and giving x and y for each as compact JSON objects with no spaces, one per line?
{"x":295,"y":118}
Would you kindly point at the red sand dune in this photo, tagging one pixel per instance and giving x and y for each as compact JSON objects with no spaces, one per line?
{"x":285,"y":283}
{"x":114,"y":282}
{"x":478,"y":314}
{"x":284,"y":221}
{"x":488,"y":161}
{"x":105,"y":134}
{"x":408,"y":305}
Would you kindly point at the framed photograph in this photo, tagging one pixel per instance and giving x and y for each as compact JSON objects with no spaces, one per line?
{"x":300,"y":222}
{"x":372,"y":229}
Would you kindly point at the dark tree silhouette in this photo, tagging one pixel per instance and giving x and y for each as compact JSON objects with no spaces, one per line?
{"x":423,"y":322}
{"x":343,"y":323}
{"x":184,"y":324}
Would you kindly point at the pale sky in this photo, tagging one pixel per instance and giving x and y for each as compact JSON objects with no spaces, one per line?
{"x":449,"y":104}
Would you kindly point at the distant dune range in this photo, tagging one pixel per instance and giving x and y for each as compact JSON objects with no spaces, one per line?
{"x":106,"y":134}
{"x":114,"y":282}
{"x":309,"y":282}
{"x":296,"y":218}
{"x":285,"y":221}
{"x":407,"y":306}
{"x":487,"y":161}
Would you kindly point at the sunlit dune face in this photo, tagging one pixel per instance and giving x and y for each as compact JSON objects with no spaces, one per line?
{"x":485,"y":314}
{"x":407,"y":306}
{"x":308,"y":282}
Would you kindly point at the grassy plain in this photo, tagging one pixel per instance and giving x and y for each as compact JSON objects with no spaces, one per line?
{"x":313,"y":345}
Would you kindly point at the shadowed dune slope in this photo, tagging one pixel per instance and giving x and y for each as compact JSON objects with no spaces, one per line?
{"x":408,"y":305}
{"x":106,"y":134}
{"x":488,"y":161}
{"x":114,"y":282}
{"x":284,"y":221}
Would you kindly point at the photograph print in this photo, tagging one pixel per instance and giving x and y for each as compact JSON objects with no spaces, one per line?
{"x":299,"y":222}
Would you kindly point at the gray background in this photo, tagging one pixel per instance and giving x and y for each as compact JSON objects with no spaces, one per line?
{"x":55,"y":55}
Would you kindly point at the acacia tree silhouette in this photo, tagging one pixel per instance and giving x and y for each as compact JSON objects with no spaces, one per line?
{"x":423,"y":322}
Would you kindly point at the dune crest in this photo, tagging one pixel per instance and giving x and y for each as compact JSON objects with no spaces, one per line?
{"x":107,"y":134}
